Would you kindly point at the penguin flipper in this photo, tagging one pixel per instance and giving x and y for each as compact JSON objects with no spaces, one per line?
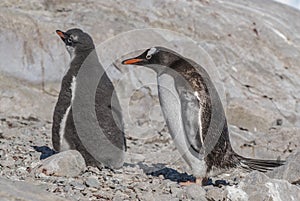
{"x":190,"y":109}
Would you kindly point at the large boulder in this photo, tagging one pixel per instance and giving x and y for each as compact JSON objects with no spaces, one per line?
{"x":290,"y":171}
{"x":67,"y":164}
{"x":259,"y":187}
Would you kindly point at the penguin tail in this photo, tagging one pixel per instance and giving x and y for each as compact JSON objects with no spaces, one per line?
{"x":259,"y":164}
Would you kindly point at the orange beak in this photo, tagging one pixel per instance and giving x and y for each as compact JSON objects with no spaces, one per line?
{"x":61,"y":34}
{"x":131,"y":61}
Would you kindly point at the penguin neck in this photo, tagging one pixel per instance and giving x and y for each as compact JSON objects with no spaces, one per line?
{"x":77,"y":60}
{"x":173,"y":68}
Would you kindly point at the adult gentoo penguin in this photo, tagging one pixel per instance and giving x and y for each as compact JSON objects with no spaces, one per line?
{"x":65,"y":135}
{"x":194,"y":114}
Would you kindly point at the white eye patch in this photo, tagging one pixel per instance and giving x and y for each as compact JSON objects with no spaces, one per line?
{"x":75,"y":38}
{"x":151,"y":52}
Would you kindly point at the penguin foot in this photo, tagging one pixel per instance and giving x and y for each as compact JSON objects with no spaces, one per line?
{"x":198,"y":181}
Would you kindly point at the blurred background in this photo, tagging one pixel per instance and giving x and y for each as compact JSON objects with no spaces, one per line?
{"x":293,"y":3}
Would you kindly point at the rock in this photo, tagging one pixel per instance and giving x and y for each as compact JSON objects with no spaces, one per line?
{"x":8,"y":162}
{"x":67,"y":163}
{"x":176,"y":191}
{"x":236,"y":194}
{"x":2,"y":154}
{"x":290,"y":171}
{"x":21,"y":190}
{"x":196,"y":192}
{"x":92,"y":182}
{"x":77,"y":185}
{"x":120,"y":196}
{"x":259,"y":187}
{"x":277,"y":143}
{"x":242,"y":115}
{"x":215,"y":193}
{"x":25,"y":99}
{"x":134,"y":158}
{"x":149,"y":196}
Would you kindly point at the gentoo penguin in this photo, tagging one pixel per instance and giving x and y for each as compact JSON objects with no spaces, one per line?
{"x":194,"y":115}
{"x":65,"y":136}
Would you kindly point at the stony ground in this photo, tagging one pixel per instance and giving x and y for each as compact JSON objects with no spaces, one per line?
{"x":25,"y":141}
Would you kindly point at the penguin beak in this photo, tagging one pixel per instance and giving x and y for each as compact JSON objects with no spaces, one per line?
{"x":132,"y":61}
{"x":61,"y":34}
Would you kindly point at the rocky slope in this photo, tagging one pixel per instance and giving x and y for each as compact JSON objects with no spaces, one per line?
{"x":253,"y":45}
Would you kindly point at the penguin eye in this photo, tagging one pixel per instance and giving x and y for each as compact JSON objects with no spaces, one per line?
{"x":148,"y":56}
{"x":70,"y":40}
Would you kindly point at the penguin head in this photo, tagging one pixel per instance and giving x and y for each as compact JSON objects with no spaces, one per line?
{"x":76,"y":41}
{"x":154,"y":57}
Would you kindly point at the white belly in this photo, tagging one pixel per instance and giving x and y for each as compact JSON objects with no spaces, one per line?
{"x":64,"y":145}
{"x":171,"y":108}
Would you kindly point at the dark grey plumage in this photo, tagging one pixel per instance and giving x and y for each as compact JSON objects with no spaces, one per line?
{"x":205,"y":132}
{"x":64,"y":134}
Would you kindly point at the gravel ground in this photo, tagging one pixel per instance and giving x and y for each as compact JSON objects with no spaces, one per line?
{"x":25,"y":144}
{"x":25,"y":141}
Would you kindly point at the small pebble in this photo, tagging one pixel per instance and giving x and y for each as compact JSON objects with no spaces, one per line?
{"x":77,"y":185}
{"x":92,"y":182}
